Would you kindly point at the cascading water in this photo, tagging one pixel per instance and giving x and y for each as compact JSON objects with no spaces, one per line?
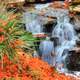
{"x":46,"y":49}
{"x":65,"y":33}
{"x":32,"y":23}
{"x":34,"y":27}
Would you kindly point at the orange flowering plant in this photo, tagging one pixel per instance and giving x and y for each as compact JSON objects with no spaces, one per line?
{"x":12,"y":35}
{"x":31,"y":69}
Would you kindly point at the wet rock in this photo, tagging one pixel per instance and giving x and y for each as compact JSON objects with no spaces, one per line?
{"x":76,"y":22}
{"x":73,"y":61}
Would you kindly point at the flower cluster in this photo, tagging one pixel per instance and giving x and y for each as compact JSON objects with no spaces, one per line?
{"x":28,"y":68}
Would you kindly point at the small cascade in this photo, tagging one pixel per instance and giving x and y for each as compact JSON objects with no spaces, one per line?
{"x":66,"y":35}
{"x":47,"y":51}
{"x":34,"y":27}
{"x":32,"y":23}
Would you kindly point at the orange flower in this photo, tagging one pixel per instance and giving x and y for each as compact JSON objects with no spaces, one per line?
{"x":32,"y":69}
{"x":2,"y":38}
{"x":4,"y":23}
{"x":11,"y":17}
{"x":16,"y":43}
{"x":1,"y":30}
{"x":64,"y":77}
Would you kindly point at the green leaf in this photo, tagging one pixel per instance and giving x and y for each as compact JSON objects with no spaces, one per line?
{"x":2,"y":46}
{"x":2,"y":16}
{"x":27,"y":38}
{"x":10,"y":25}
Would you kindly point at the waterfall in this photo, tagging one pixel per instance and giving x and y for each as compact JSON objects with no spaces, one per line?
{"x":34,"y":27}
{"x":66,"y":35}
{"x":47,"y":51}
{"x":32,"y":23}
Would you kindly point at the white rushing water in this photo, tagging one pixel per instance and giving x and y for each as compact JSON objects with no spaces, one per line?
{"x":67,"y":40}
{"x":47,"y":50}
{"x":34,"y":27}
{"x":32,"y":23}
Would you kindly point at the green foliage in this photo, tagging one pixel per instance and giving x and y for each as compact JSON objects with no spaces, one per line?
{"x":10,"y":31}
